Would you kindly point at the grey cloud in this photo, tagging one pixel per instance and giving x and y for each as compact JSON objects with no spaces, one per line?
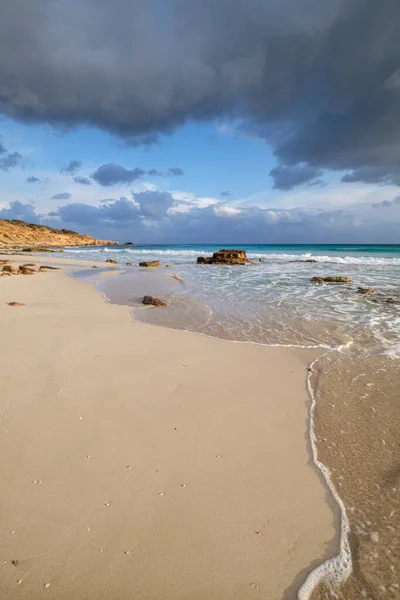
{"x":154,"y":204}
{"x":20,"y":211}
{"x":2,"y":149}
{"x":225,"y":194}
{"x":117,"y":213}
{"x":111,"y":174}
{"x":175,"y":171}
{"x":319,"y":81}
{"x":384,"y":175}
{"x":387,"y":203}
{"x":72,"y":167}
{"x":61,"y":196}
{"x":285,"y":177}
{"x":10,"y":160}
{"x":82,"y":180}
{"x":32,"y":179}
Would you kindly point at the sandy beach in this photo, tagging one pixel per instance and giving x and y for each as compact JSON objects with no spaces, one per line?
{"x":148,"y":463}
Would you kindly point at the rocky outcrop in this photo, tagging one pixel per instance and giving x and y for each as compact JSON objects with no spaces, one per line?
{"x":150,"y":263}
{"x":39,"y":238}
{"x":362,"y":290}
{"x":225,"y":257}
{"x":331,"y":280}
{"x":111,"y":261}
{"x":153,"y":301}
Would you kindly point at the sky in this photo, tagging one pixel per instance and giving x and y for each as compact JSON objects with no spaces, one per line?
{"x":167,"y":121}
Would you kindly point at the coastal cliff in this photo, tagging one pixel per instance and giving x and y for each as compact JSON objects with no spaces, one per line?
{"x":16,"y":234}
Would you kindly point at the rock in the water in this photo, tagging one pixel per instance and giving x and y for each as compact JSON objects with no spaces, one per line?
{"x":331,"y":280}
{"x":129,"y":264}
{"x":153,"y":301}
{"x":225,"y":257}
{"x":129,"y":244}
{"x":95,"y":267}
{"x":14,"y":304}
{"x":150,"y":263}
{"x":362,"y":290}
{"x":10,"y":269}
{"x":111,"y":261}
{"x":308,"y":260}
{"x":168,"y":266}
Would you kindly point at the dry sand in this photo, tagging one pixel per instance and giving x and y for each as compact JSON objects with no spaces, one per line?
{"x":148,"y":464}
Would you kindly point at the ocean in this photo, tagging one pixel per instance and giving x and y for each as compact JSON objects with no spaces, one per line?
{"x":354,"y":385}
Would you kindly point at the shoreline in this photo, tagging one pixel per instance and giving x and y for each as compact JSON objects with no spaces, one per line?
{"x":246,"y":353}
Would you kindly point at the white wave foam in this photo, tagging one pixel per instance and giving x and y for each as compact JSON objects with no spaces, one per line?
{"x":340,"y":260}
{"x":337,"y":569}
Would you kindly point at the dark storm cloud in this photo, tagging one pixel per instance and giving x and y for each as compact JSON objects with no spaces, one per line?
{"x":72,"y":167}
{"x":32,"y":179}
{"x":82,"y":180}
{"x":318,"y":80}
{"x":11,"y":159}
{"x":285,"y":178}
{"x":61,"y":196}
{"x":112,"y":174}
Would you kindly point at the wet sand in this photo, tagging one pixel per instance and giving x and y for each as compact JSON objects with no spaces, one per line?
{"x":358,"y":438}
{"x":137,"y":461}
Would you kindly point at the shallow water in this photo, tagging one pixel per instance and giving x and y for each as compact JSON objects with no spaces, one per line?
{"x":356,"y":390}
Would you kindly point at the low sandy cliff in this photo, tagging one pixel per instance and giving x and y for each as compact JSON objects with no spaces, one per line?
{"x":15,"y":234}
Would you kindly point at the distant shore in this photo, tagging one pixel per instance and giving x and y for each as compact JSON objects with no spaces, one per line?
{"x":144,"y":462}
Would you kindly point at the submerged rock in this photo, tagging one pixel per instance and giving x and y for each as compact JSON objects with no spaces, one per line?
{"x":225,"y":257}
{"x":111,"y":261}
{"x":153,"y":301}
{"x":331,"y":280}
{"x":362,"y":290}
{"x":129,"y":264}
{"x":150,"y":263}
{"x":308,"y":260}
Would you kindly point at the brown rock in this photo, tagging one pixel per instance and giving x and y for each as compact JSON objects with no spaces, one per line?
{"x":129,"y":264}
{"x":29,"y":265}
{"x":111,"y":261}
{"x":153,"y":301}
{"x":48,"y":268}
{"x":27,"y":271}
{"x":10,"y":269}
{"x":5,"y":262}
{"x":309,"y":260}
{"x":225,"y":257}
{"x":362,"y":290}
{"x":5,"y":274}
{"x":150,"y":263}
{"x":15,"y":304}
{"x":331,"y":280}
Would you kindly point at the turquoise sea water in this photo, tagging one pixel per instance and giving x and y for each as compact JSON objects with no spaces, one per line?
{"x":272,"y":301}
